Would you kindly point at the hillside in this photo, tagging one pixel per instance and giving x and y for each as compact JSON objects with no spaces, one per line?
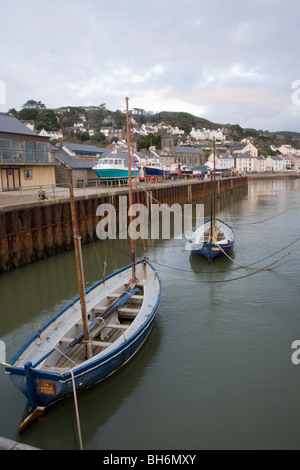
{"x":97,"y":117}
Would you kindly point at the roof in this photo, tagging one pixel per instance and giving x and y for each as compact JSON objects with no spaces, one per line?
{"x":225,"y":156}
{"x":238,"y":146}
{"x":82,"y":148}
{"x":12,"y":125}
{"x":75,"y":163}
{"x":87,"y":163}
{"x":275,"y":157}
{"x":188,"y":150}
{"x":243,"y":155}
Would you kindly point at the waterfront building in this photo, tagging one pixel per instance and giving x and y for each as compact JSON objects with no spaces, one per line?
{"x":207,"y":134}
{"x":259,"y":164}
{"x":245,"y":147}
{"x":244,"y":162}
{"x":224,"y":161}
{"x":25,"y":156}
{"x":295,"y":161}
{"x":275,"y":163}
{"x":81,"y":158}
{"x":190,"y":156}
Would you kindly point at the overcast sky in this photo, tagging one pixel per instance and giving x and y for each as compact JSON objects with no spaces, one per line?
{"x":227,"y":61}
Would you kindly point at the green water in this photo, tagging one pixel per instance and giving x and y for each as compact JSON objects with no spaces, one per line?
{"x":216,"y":371}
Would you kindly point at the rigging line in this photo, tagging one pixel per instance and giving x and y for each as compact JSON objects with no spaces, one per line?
{"x":167,"y":207}
{"x":245,"y":266}
{"x":224,"y":193}
{"x":93,"y":242}
{"x":281,"y":264}
{"x":265,"y":220}
{"x":55,"y":239}
{"x":249,"y":265}
{"x":266,"y":268}
{"x":225,"y":280}
{"x":135,"y":177}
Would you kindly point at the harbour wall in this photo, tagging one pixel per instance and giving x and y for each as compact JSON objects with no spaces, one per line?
{"x":31,"y":231}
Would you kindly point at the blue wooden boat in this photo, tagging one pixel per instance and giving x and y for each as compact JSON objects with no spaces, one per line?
{"x":92,"y":337}
{"x":120,"y":316}
{"x":213,"y":237}
{"x":211,"y":241}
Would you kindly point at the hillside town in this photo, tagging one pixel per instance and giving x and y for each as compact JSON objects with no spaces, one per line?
{"x":31,"y":156}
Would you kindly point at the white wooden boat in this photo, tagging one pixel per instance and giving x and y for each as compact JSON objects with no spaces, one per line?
{"x":92,"y":337}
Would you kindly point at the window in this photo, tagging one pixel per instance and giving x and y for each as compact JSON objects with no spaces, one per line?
{"x":28,"y":174}
{"x":29,"y":151}
{"x":41,"y":152}
{"x":5,"y":150}
{"x":17,"y":148}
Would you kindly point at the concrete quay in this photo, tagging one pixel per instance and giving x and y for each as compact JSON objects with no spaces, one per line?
{"x":8,"y":444}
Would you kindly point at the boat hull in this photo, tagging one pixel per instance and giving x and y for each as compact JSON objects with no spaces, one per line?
{"x":210,"y":250}
{"x":43,"y":388}
{"x":152,"y":171}
{"x":112,"y":173}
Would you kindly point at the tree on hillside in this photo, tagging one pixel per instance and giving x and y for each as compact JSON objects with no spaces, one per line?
{"x":28,"y":114}
{"x":32,"y":104}
{"x":145,"y":141}
{"x":47,"y":120}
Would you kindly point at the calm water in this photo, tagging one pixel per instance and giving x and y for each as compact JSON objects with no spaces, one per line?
{"x":216,"y":371}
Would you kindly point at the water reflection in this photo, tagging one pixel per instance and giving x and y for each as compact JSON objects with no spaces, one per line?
{"x":216,"y":371}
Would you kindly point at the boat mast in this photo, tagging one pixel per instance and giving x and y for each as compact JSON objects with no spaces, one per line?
{"x":79,"y":268}
{"x":213,"y":192}
{"x":130,"y":195}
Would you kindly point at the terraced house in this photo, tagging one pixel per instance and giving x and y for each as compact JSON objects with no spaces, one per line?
{"x":25,"y":157}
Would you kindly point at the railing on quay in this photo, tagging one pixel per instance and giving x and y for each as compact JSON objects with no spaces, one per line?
{"x":33,"y":193}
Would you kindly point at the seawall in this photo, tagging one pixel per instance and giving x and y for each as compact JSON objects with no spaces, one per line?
{"x":32,"y":229}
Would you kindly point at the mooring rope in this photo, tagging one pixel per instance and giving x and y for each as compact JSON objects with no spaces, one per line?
{"x":265,"y":268}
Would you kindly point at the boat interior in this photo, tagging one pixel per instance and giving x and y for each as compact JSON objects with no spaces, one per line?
{"x":108,"y":320}
{"x":202,"y":234}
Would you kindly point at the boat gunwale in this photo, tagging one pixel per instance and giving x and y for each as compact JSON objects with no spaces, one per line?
{"x":61,"y":312}
{"x":219,"y":220}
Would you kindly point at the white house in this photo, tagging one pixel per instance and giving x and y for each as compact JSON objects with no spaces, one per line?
{"x":287,"y":162}
{"x":245,"y":147}
{"x":259,"y":164}
{"x":244,"y":162}
{"x":275,"y":163}
{"x":207,"y":134}
{"x":224,"y":161}
{"x":51,"y":134}
{"x":295,"y":159}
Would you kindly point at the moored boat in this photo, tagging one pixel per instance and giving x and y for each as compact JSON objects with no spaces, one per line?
{"x":113,"y":167}
{"x":91,"y":338}
{"x":213,"y":237}
{"x":155,"y":168}
{"x":210,"y":242}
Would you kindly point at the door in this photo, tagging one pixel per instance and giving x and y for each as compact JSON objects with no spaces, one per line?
{"x":10,"y":179}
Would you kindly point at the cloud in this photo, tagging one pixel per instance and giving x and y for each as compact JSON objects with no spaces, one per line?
{"x":224,"y":61}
